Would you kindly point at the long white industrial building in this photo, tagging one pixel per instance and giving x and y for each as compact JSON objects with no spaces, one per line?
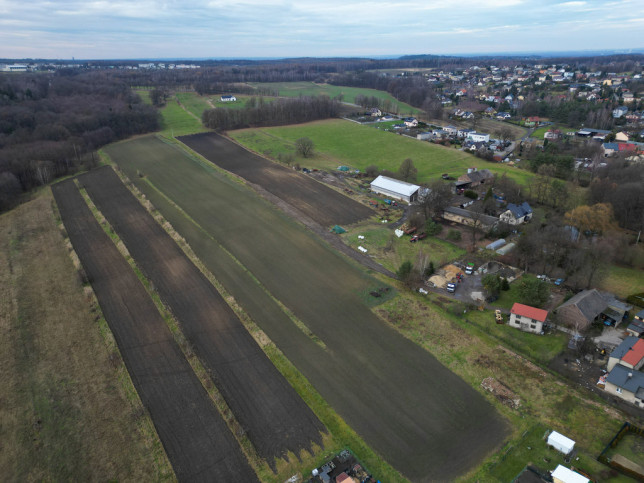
{"x":393,"y":188}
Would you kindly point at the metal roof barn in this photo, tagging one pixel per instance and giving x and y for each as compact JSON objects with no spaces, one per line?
{"x":394,"y":188}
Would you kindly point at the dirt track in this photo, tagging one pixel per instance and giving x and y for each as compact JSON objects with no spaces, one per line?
{"x":198,"y":443}
{"x":314,"y":199}
{"x":274,"y":416}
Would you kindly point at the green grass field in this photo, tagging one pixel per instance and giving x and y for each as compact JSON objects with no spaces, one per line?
{"x":623,"y":281}
{"x":296,"y":89}
{"x":392,"y":251}
{"x":538,"y":133}
{"x":339,"y":142}
{"x":178,"y":122}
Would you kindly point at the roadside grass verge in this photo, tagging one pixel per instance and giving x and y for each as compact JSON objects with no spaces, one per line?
{"x":339,"y":142}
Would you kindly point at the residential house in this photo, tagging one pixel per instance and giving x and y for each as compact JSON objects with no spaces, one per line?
{"x":627,"y":384}
{"x":552,"y":134}
{"x":394,"y":188}
{"x":527,"y":319}
{"x":621,"y":137}
{"x":516,"y":214}
{"x":374,"y":112}
{"x":451,"y":130}
{"x":467,"y":115}
{"x":630,"y":354}
{"x":474,"y":177}
{"x":628,"y":97}
{"x":531,"y":121}
{"x":581,"y":310}
{"x":640,"y":316}
{"x":410,"y":121}
{"x":610,"y":148}
{"x":636,"y":328}
{"x":503,"y":115}
{"x":478,"y":137}
{"x":619,"y":111}
{"x":462,"y":133}
{"x":228,"y":98}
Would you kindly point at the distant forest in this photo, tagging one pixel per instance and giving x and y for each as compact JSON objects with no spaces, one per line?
{"x":50,"y":124}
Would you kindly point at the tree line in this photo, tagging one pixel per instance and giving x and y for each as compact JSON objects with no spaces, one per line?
{"x":51,"y":124}
{"x":274,"y":113}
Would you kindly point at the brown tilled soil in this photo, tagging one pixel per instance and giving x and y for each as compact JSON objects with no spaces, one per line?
{"x":314,"y":199}
{"x":274,"y":416}
{"x":198,"y":443}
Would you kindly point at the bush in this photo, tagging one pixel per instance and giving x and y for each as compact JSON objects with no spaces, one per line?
{"x":405,"y":272}
{"x":430,"y":270}
{"x":636,"y":299}
{"x":453,"y":235}
{"x":505,"y":285}
{"x":470,"y":194}
{"x":432,"y":228}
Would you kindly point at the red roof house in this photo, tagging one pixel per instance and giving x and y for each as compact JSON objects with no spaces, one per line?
{"x":526,"y":318}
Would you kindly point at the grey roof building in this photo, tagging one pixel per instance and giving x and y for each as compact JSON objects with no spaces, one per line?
{"x":627,"y":384}
{"x":582,"y":309}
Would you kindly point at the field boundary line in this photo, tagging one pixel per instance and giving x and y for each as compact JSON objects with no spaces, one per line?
{"x":143,"y":424}
{"x":200,"y":371}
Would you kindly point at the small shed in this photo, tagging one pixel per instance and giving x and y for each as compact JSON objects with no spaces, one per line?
{"x":561,"y":474}
{"x":559,"y":442}
{"x":496,"y":244}
{"x":338,"y":229}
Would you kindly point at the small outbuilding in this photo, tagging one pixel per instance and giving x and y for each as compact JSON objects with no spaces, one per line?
{"x":394,"y":188}
{"x":527,"y":319}
{"x":561,"y":443}
{"x":561,"y":474}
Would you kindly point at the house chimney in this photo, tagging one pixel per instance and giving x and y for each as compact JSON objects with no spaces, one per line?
{"x":630,"y":374}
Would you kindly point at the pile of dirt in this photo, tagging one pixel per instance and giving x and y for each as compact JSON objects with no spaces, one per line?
{"x":501,"y":392}
{"x":451,"y":271}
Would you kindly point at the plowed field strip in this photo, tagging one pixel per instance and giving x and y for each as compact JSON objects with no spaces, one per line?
{"x":317,"y":201}
{"x":423,"y":419}
{"x":194,"y":435}
{"x":275,"y":417}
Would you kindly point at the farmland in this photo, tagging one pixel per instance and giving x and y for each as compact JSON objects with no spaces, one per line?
{"x":296,"y":89}
{"x":359,"y":368}
{"x":177,"y":121}
{"x":278,"y":421}
{"x":194,"y":434}
{"x":319,"y":202}
{"x":61,"y":371}
{"x":339,"y":142}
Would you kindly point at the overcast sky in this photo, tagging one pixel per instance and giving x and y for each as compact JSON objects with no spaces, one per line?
{"x":288,"y":28}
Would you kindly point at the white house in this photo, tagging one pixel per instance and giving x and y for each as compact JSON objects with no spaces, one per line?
{"x":394,"y":188}
{"x":527,"y":319}
{"x":410,"y":121}
{"x":619,"y":111}
{"x":478,"y":137}
{"x":451,"y":130}
{"x":228,"y":98}
{"x":516,"y":214}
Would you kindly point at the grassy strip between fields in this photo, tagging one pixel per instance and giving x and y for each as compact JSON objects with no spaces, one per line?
{"x":341,"y":435}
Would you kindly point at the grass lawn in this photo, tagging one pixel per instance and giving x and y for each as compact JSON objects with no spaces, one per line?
{"x":623,"y":281}
{"x":295,"y":89}
{"x":392,"y":251}
{"x":538,"y":133}
{"x":192,"y":101}
{"x":339,"y":142}
{"x":632,"y":447}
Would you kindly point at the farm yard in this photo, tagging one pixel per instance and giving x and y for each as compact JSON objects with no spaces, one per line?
{"x":314,"y":199}
{"x":277,"y":422}
{"x":339,"y":142}
{"x":189,"y":426}
{"x":349,"y":355}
